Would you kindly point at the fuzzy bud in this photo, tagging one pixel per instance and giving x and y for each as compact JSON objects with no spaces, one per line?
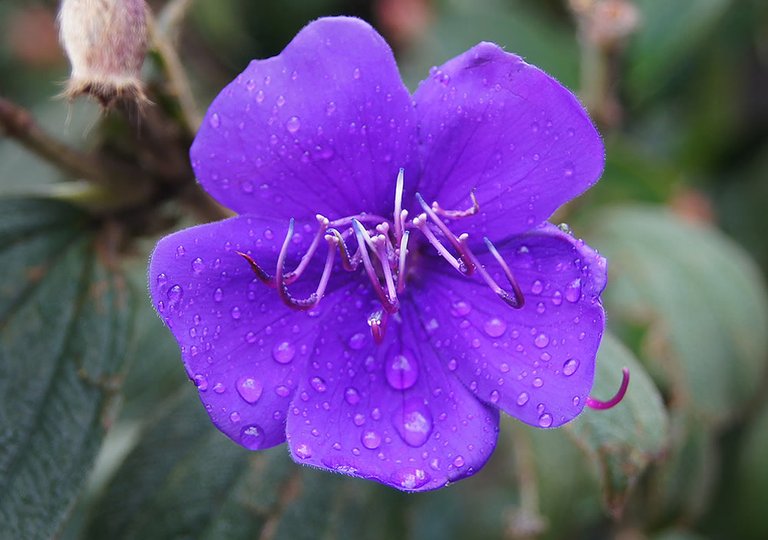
{"x":106,"y":42}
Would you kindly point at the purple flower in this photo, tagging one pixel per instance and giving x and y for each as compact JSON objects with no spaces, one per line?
{"x":391,"y":282}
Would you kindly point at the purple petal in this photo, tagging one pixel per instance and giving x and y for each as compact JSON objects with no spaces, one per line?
{"x":492,"y":122}
{"x":322,"y":127}
{"x":240,"y":345}
{"x":535,"y":363}
{"x":391,"y":412}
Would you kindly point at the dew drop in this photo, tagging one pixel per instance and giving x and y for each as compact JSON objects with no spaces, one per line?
{"x":235,"y":313}
{"x":249,"y":389}
{"x":410,"y":478}
{"x":523,"y":398}
{"x":303,"y":451}
{"x":293,"y":124}
{"x":356,"y":74}
{"x":541,"y":341}
{"x":568,"y":169}
{"x":495,"y":396}
{"x":371,"y":440}
{"x":357,"y":341}
{"x":161,"y":280}
{"x":283,"y":352}
{"x":414,"y":422}
{"x":218,"y":294}
{"x":570,"y":366}
{"x":352,"y":396}
{"x":495,"y":327}
{"x":401,"y":370}
{"x":330,"y":108}
{"x":175,"y":294}
{"x":201,"y":382}
{"x":452,"y":364}
{"x":458,"y":461}
{"x":538,"y":382}
{"x":234,"y":417}
{"x":573,"y":291}
{"x":359,"y":419}
{"x":557,"y":298}
{"x":259,"y":96}
{"x":545,"y":420}
{"x":282,"y":391}
{"x":461,"y":309}
{"x":280,"y":101}
{"x":197,"y":265}
{"x":214,"y":120}
{"x":318,"y":384}
{"x":537,"y":287}
{"x":252,"y":437}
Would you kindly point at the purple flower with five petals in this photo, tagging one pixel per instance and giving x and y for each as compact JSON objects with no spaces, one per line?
{"x":390,"y":283}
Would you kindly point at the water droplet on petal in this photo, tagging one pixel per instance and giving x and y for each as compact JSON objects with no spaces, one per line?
{"x":545,"y":420}
{"x":541,"y":341}
{"x":401,"y":370}
{"x":293,"y":124}
{"x":523,"y":398}
{"x":414,"y":422}
{"x":162,"y":279}
{"x":410,"y":478}
{"x":371,"y":440}
{"x":357,"y":341}
{"x":283,"y":352}
{"x":452,"y":364}
{"x":352,"y":396}
{"x":249,"y":389}
{"x":461,"y":309}
{"x":573,"y":291}
{"x":252,"y":437}
{"x":537,"y":287}
{"x":303,"y":451}
{"x":197,"y":265}
{"x":570,"y":366}
{"x":538,"y":382}
{"x":458,"y":461}
{"x":214,"y":120}
{"x":201,"y":382}
{"x":318,"y":384}
{"x":175,"y":294}
{"x":356,"y":73}
{"x":235,"y":313}
{"x":495,"y":327}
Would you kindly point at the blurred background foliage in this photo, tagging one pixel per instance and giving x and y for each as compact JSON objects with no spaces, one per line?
{"x":101,"y":436}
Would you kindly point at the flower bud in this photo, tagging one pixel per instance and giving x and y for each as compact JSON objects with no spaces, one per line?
{"x":106,"y":42}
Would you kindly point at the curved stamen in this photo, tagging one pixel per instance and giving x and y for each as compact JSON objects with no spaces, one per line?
{"x":516,"y":291}
{"x":399,"y":204}
{"x":378,"y":323}
{"x":458,"y":214}
{"x":282,"y":290}
{"x":258,"y":270}
{"x":511,"y":300}
{"x":292,"y":276}
{"x":349,"y":264}
{"x":360,"y":236}
{"x":420,"y":222}
{"x":403,"y":252}
{"x":593,"y":403}
{"x":466,"y":262}
{"x":381,"y":250}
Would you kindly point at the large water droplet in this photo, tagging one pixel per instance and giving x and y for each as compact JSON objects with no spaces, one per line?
{"x":371,"y":440}
{"x":283,"y":352}
{"x":410,"y":478}
{"x":401,"y":370}
{"x":357,"y":341}
{"x":175,"y":294}
{"x":545,"y":420}
{"x":570,"y":366}
{"x":541,"y":341}
{"x":252,"y":437}
{"x":293,"y":124}
{"x":249,"y":389}
{"x":414,"y":422}
{"x":303,"y":451}
{"x":573,"y":291}
{"x":495,"y":327}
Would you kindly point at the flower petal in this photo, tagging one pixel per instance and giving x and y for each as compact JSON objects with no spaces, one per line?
{"x":322,"y":127}
{"x":389,"y":412}
{"x":240,"y":345}
{"x":535,"y":363}
{"x":491,"y":122}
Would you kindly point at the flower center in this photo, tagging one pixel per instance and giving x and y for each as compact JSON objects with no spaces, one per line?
{"x":382,"y":250}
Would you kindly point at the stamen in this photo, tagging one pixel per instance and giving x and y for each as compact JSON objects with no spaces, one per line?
{"x":420,"y":222}
{"x":401,"y":266}
{"x":512,"y":300}
{"x":348,"y":263}
{"x":381,"y":249}
{"x":312,"y":300}
{"x":258,"y":270}
{"x":467,"y":267}
{"x":399,"y":204}
{"x":360,"y":235}
{"x":516,"y":291}
{"x":378,"y":323}
{"x":457,"y":214}
{"x":593,"y":403}
{"x":322,"y":221}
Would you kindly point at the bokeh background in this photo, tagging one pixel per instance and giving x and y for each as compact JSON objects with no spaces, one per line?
{"x":102,"y":436}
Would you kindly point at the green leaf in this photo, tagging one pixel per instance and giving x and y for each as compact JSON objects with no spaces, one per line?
{"x":701,"y":298}
{"x":186,"y":480}
{"x":64,"y":327}
{"x":668,"y":33}
{"x":621,"y":442}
